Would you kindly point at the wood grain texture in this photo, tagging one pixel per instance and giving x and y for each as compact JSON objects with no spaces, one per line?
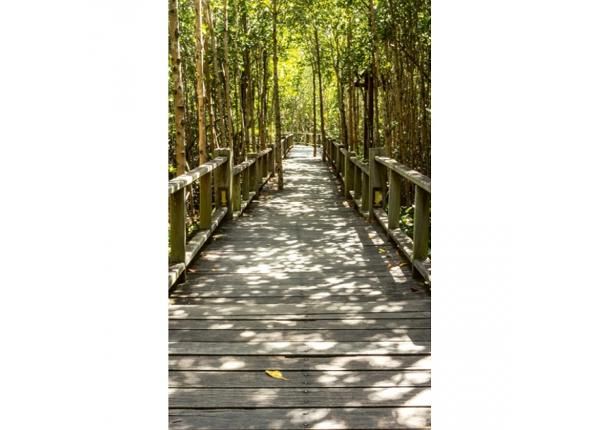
{"x":301,"y":419}
{"x":300,"y":379}
{"x":306,"y":335}
{"x":289,"y":363}
{"x":211,"y":398}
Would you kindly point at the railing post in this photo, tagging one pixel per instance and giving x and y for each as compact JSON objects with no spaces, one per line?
{"x":253,"y":177}
{"x":357,"y":182}
{"x":377,"y":176}
{"x":264,"y":166}
{"x":205,"y":201}
{"x":236,"y":193}
{"x":394,"y":201}
{"x":177,"y":228}
{"x":272,"y":160}
{"x":348,"y":174}
{"x":323,"y":144}
{"x":224,"y":181}
{"x":421,"y":224}
{"x":246,"y":183}
{"x":279,"y":164}
{"x":364,"y":195}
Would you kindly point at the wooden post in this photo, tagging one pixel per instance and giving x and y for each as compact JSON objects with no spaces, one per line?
{"x":272,"y":160}
{"x":421,"y":224}
{"x":323,"y":144}
{"x":205,"y":201}
{"x":364,"y":196}
{"x":254,"y":174}
{"x":224,"y":180}
{"x":377,"y":177}
{"x":394,"y":201}
{"x":246,"y":184}
{"x":177,"y":228}
{"x":357,"y":182}
{"x":236,"y":193}
{"x":279,"y":164}
{"x":348,"y":174}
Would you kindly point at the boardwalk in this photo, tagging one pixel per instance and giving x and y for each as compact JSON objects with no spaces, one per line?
{"x":302,"y":284}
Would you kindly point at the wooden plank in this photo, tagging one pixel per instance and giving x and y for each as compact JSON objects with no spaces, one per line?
{"x":300,"y":379}
{"x":300,"y":363}
{"x":348,"y":418}
{"x":194,"y":311}
{"x":233,"y":296}
{"x":311,"y":281}
{"x":298,"y":398}
{"x":394,"y":275}
{"x":413,"y":176}
{"x":316,"y":325}
{"x":188,"y":178}
{"x":304,"y":269}
{"x":324,"y":335}
{"x":279,"y":299}
{"x":324,"y":316}
{"x":299,"y":348}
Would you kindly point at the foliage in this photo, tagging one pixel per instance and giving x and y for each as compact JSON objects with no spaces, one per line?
{"x":374,"y":60}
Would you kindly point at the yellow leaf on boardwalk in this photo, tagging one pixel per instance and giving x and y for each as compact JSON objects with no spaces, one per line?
{"x":275,"y":374}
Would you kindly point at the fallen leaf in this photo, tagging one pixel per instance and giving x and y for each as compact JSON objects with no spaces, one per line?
{"x":275,"y":374}
{"x":381,"y":250}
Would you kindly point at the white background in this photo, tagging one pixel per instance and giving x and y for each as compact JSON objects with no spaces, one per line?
{"x":83,"y":133}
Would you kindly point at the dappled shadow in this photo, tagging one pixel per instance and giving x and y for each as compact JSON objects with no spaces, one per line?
{"x":303,"y":284}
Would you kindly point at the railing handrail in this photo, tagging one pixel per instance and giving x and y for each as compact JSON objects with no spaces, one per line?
{"x":193,"y":175}
{"x":412,"y":175}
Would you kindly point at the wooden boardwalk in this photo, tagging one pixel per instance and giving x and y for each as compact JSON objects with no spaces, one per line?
{"x":302,"y":284}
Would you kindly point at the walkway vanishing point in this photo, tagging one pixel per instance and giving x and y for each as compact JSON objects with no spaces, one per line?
{"x":303,"y":284}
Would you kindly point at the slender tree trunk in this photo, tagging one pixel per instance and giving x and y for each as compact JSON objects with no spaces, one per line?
{"x":205,"y":191}
{"x":263,"y":100}
{"x":229,"y":112}
{"x":179,"y":97}
{"x":217,"y":72}
{"x":314,"y":108}
{"x":200,"y":88}
{"x":374,"y":105}
{"x":276,"y":102}
{"x":318,"y":48}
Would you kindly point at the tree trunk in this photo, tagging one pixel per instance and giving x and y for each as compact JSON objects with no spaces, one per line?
{"x":318,"y":48}
{"x":279,"y":154}
{"x":263,"y":100}
{"x":200,"y":88}
{"x":228,"y":113}
{"x":220,"y":103}
{"x":314,"y":106}
{"x":179,"y":97}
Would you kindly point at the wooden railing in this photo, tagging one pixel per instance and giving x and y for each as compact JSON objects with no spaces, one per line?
{"x":370,"y":186}
{"x":225,"y":192}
